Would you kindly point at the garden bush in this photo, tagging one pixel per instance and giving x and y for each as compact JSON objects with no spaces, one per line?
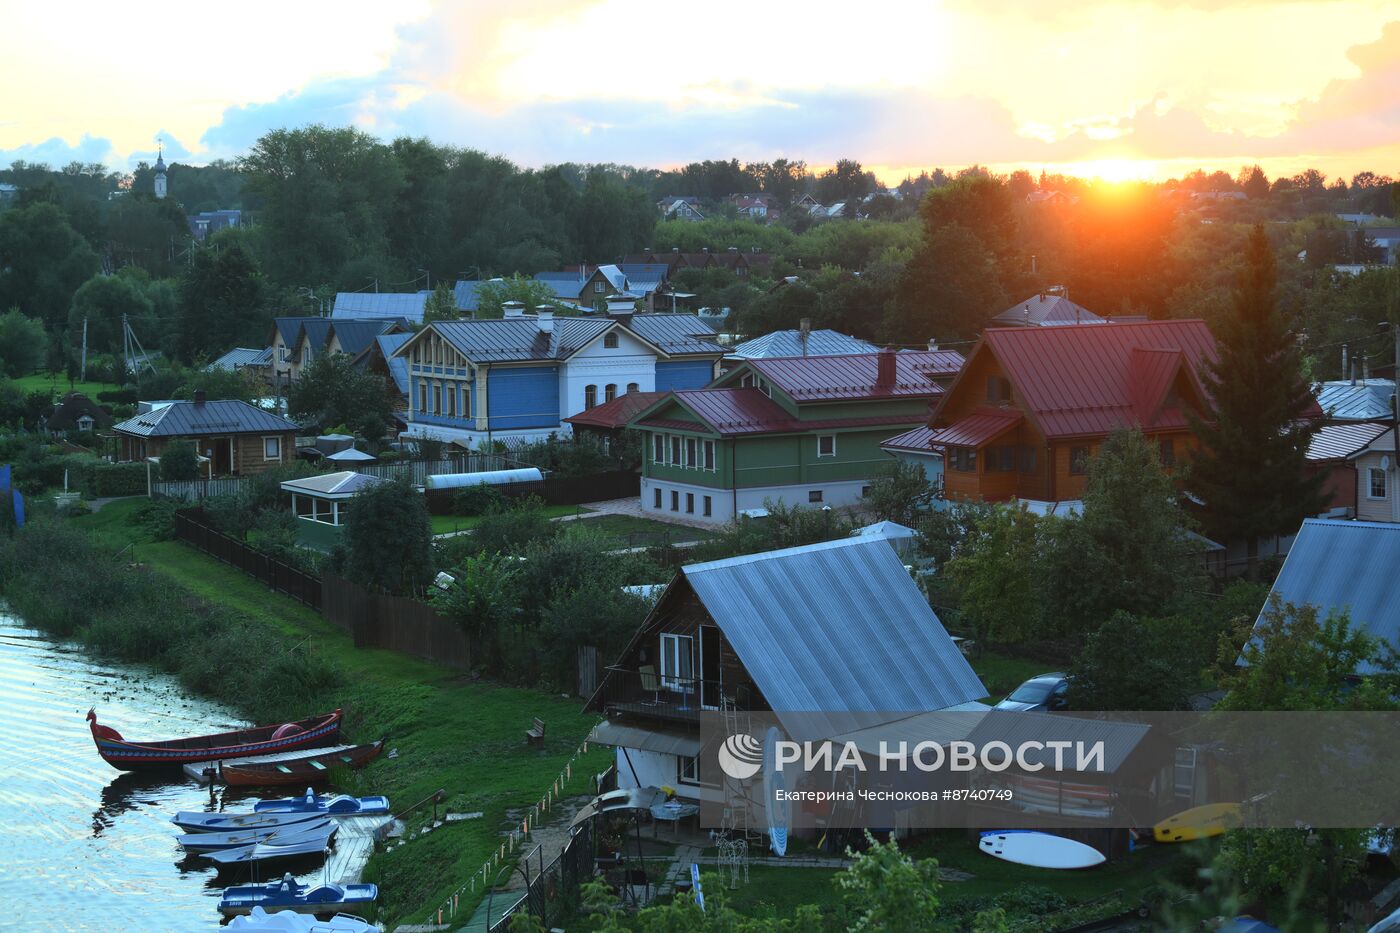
{"x":480,"y":499}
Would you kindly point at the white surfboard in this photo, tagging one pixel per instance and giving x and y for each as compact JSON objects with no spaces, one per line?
{"x":1040,"y":850}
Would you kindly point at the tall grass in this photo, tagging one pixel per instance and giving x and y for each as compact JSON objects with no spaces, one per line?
{"x":60,"y":580}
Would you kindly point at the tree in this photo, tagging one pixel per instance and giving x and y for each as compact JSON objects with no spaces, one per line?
{"x":45,"y":260}
{"x":1138,"y":663}
{"x":886,"y":890}
{"x":241,"y":384}
{"x":1251,"y":468}
{"x":1254,"y":182}
{"x":332,"y":391}
{"x":441,"y":305}
{"x":23,"y":344}
{"x":103,"y":302}
{"x":491,"y":296}
{"x":482,"y":597}
{"x":997,"y":577}
{"x":224,"y":299}
{"x":388,"y":539}
{"x":845,"y":181}
{"x":950,"y":288}
{"x":179,"y":462}
{"x":899,"y":492}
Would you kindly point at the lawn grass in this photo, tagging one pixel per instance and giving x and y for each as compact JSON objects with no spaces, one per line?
{"x":452,"y":733}
{"x":58,"y":382}
{"x":446,"y":524}
{"x":635,"y":531}
{"x":1001,"y":673}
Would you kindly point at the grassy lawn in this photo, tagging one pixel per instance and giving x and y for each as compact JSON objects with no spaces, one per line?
{"x":1001,"y":674}
{"x":444,"y":524}
{"x":464,"y":737}
{"x":58,"y":382}
{"x":636,"y":531}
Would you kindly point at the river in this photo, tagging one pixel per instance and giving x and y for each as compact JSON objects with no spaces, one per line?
{"x":83,"y":846}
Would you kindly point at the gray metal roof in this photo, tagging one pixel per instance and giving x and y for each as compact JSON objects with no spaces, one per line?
{"x":344,"y":483}
{"x":520,"y":339}
{"x":664,"y":741}
{"x":289,"y":328}
{"x":237,"y":358}
{"x":1120,"y":739}
{"x":1339,"y":441}
{"x":407,"y":305}
{"x":466,"y":293}
{"x":315,"y":330}
{"x":398,"y":366}
{"x":676,"y":334}
{"x":563,"y":284}
{"x":1046,"y":308}
{"x":789,"y":343}
{"x":195,"y":419}
{"x":835,"y":627}
{"x":1346,"y":565}
{"x":1363,"y":400}
{"x":357,"y":334}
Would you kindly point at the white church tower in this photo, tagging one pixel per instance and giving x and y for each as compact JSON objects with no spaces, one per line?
{"x":160,"y":171}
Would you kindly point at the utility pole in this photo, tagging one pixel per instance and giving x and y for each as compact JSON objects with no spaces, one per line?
{"x":83,"y":368}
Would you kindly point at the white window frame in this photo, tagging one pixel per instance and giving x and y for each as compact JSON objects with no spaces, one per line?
{"x":687,"y":769}
{"x":275,"y":440}
{"x":599,"y":287}
{"x":823,"y":437}
{"x":590,"y":396}
{"x":1371,"y":484}
{"x":610,"y":338}
{"x":677,"y":662}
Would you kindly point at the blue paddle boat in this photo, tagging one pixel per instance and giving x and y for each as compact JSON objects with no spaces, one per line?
{"x":289,"y":894}
{"x":312,"y":802}
{"x":304,"y":846}
{"x":198,"y":821}
{"x":213,"y":842}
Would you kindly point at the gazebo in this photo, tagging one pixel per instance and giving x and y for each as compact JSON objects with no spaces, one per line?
{"x":321,"y":504}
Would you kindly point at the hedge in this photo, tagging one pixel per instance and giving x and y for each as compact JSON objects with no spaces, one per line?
{"x":100,"y":479}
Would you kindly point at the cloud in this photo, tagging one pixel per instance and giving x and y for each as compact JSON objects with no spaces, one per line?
{"x":172,"y":148}
{"x":57,"y":152}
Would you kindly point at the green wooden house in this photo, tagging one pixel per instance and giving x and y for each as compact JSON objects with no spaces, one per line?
{"x":798,"y":430}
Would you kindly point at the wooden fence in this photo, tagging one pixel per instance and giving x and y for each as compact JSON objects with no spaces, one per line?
{"x":415,"y":471}
{"x":303,"y":587}
{"x":555,"y":490}
{"x":398,"y":623}
{"x":199,"y":489}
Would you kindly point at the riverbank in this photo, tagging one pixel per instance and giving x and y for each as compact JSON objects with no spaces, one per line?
{"x":464,"y":737}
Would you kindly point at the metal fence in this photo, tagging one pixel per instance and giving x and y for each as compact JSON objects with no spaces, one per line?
{"x":551,"y":892}
{"x":414,"y":471}
{"x":302,"y":587}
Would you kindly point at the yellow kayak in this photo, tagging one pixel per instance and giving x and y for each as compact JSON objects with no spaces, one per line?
{"x":1198,"y":823}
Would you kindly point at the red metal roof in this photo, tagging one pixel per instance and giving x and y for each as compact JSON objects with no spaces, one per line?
{"x":750,"y":411}
{"x":917,"y":440}
{"x":853,"y":376}
{"x":617,"y":413}
{"x":1088,"y":379}
{"x":1339,"y":441}
{"x":981,"y":427}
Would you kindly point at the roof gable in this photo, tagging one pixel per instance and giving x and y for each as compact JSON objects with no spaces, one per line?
{"x":516,"y":340}
{"x":790,"y":343}
{"x":193,"y":419}
{"x":854,"y":377}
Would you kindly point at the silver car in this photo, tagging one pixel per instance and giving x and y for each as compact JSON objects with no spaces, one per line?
{"x":1043,"y":693}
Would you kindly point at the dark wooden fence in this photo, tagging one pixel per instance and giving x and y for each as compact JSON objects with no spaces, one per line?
{"x":192,"y":527}
{"x":398,"y":623}
{"x":555,"y":490}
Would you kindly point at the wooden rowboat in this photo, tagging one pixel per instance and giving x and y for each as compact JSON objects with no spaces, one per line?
{"x":300,"y":771}
{"x":259,"y":740}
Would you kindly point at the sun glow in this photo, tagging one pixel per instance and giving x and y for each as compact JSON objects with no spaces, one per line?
{"x":1113,"y":170}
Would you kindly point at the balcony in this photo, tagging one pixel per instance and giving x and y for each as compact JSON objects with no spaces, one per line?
{"x":645,"y":692}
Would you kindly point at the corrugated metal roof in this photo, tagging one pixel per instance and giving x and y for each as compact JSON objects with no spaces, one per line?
{"x":832,"y":627}
{"x":407,"y":305}
{"x":520,"y":339}
{"x":563,"y":284}
{"x":1083,"y":380}
{"x":749,"y":411}
{"x":853,"y":376}
{"x":1046,"y":309}
{"x":192,"y":419}
{"x":355,"y":334}
{"x":1120,"y":739}
{"x":345,"y":482}
{"x":619,"y":412}
{"x":676,"y":334}
{"x":789,"y":343}
{"x":289,"y":328}
{"x":315,"y":330}
{"x":1346,"y":565}
{"x":919,"y":440}
{"x":1364,"y":400}
{"x":1340,"y":441}
{"x":651,"y":739}
{"x":237,"y":358}
{"x":388,"y":345}
{"x":465,"y":294}
{"x":981,"y":427}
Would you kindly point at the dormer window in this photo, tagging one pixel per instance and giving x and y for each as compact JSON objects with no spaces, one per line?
{"x":998,"y":389}
{"x":610,"y":341}
{"x":85,"y":422}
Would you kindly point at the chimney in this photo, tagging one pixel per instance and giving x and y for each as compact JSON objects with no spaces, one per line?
{"x":1028,"y":314}
{"x":733,"y":249}
{"x":513,"y":309}
{"x":932,"y":346}
{"x":544,"y":317}
{"x":884,"y":368}
{"x":1365,"y":369}
{"x":1345,"y":370}
{"x":199,"y":396}
{"x":675,"y":249}
{"x":804,"y":331}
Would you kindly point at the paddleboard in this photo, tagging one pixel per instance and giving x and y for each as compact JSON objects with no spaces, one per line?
{"x":1040,"y":850}
{"x":1198,"y":823}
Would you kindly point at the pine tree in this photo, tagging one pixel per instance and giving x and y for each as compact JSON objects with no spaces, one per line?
{"x":1251,"y":468}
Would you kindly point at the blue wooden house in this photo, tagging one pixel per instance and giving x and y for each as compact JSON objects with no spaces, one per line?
{"x":520,"y":376}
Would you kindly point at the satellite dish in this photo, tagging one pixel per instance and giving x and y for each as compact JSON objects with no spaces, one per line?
{"x":779,"y":812}
{"x":1385,"y":463}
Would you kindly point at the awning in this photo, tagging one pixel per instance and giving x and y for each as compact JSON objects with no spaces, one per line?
{"x":976,"y":429}
{"x":664,"y":742}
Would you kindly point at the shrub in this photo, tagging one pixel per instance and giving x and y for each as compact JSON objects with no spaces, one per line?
{"x":480,"y":499}
{"x":511,"y":530}
{"x":179,"y":463}
{"x":157,"y":518}
{"x":121,"y":396}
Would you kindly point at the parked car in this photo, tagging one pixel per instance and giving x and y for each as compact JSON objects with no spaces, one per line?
{"x":1040,"y":694}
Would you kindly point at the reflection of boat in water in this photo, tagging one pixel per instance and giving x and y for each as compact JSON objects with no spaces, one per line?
{"x":126,"y":792}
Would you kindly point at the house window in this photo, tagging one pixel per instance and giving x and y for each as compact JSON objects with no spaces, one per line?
{"x":451,"y":400}
{"x":709,"y":507}
{"x":610,"y":392}
{"x":675,"y":500}
{"x":741,"y":271}
{"x":272,"y":448}
{"x":658,"y":448}
{"x":677,"y":673}
{"x":1027,"y":459}
{"x":590,"y":396}
{"x":656,"y":498}
{"x":1078,"y":461}
{"x":437,"y":398}
{"x":690,"y":448}
{"x":633,"y":387}
{"x":865,"y":492}
{"x":1166,"y":452}
{"x":610,"y":339}
{"x":688,"y":769}
{"x":746,"y":382}
{"x":85,"y":422}
{"x":998,"y":389}
{"x":814,"y":495}
{"x":826,"y":445}
{"x":1000,"y":459}
{"x":962,"y":459}
{"x":690,"y":503}
{"x":422,"y":396}
{"x":675,"y":450}
{"x":282,"y":354}
{"x":1377,"y":483}
{"x":598,"y":288}
{"x":710,"y":455}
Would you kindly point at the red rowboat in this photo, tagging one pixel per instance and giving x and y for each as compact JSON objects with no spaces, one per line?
{"x":259,"y":740}
{"x":300,"y":771}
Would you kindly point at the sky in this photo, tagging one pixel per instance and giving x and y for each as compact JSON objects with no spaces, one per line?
{"x":1150,"y":89}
